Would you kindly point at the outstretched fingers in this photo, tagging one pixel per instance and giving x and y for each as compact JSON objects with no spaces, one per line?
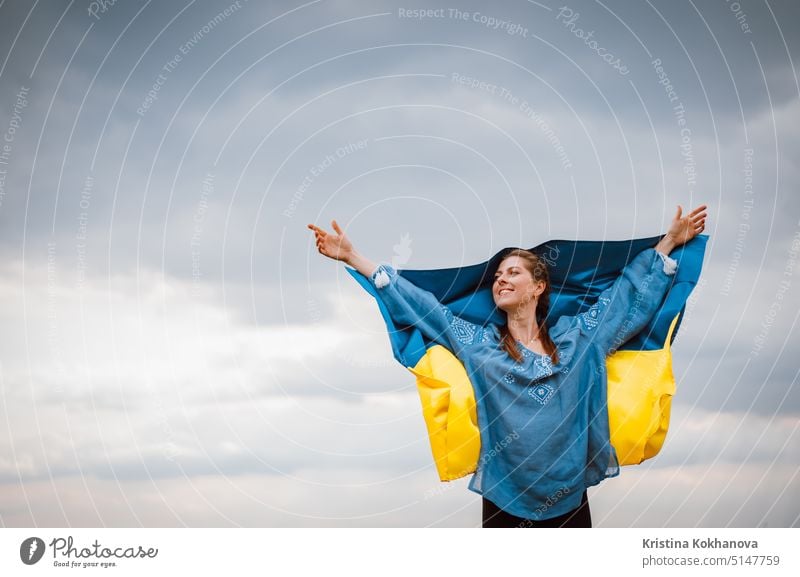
{"x":698,"y":210}
{"x":319,"y":237}
{"x":317,"y":230}
{"x":698,"y":219}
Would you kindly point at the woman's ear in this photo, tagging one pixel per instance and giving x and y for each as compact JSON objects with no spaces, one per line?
{"x":538,"y":287}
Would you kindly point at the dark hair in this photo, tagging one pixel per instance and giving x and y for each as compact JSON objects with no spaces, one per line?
{"x":538,"y":269}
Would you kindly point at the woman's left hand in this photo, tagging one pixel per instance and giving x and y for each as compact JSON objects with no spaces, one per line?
{"x":683,"y":229}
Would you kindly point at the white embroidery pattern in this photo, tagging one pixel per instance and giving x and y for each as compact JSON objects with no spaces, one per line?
{"x":544,"y":366}
{"x":463,"y":330}
{"x":542,"y":392}
{"x":590,"y":316}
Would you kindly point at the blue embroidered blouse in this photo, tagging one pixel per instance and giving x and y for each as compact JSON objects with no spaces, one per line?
{"x":543,"y":426}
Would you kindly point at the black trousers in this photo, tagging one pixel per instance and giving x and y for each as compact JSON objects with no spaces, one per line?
{"x":494,"y":517}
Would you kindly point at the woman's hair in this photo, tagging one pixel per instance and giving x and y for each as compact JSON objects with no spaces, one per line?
{"x":538,"y":269}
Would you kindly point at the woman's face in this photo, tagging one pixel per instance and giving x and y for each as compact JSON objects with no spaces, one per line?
{"x":514,"y":285}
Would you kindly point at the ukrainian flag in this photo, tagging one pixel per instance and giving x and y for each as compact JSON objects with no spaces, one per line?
{"x":640,"y":379}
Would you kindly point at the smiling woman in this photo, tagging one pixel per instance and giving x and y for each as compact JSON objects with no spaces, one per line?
{"x":514,"y":293}
{"x":543,"y":387}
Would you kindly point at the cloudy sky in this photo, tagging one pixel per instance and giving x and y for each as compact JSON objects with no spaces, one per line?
{"x":174,"y":352}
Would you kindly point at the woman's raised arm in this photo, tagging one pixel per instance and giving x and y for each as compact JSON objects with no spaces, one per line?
{"x":627,"y":306}
{"x":406,"y":303}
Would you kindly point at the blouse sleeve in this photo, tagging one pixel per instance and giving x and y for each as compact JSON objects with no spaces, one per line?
{"x":625,"y":308}
{"x":409,"y":305}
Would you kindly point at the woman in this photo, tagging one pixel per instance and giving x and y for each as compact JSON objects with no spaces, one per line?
{"x":540,"y":390}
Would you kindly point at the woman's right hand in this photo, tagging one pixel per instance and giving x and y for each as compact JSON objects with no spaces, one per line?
{"x":336,"y":246}
{"x":683,"y":229}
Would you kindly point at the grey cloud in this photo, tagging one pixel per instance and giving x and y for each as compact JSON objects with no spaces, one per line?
{"x":187,"y":286}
